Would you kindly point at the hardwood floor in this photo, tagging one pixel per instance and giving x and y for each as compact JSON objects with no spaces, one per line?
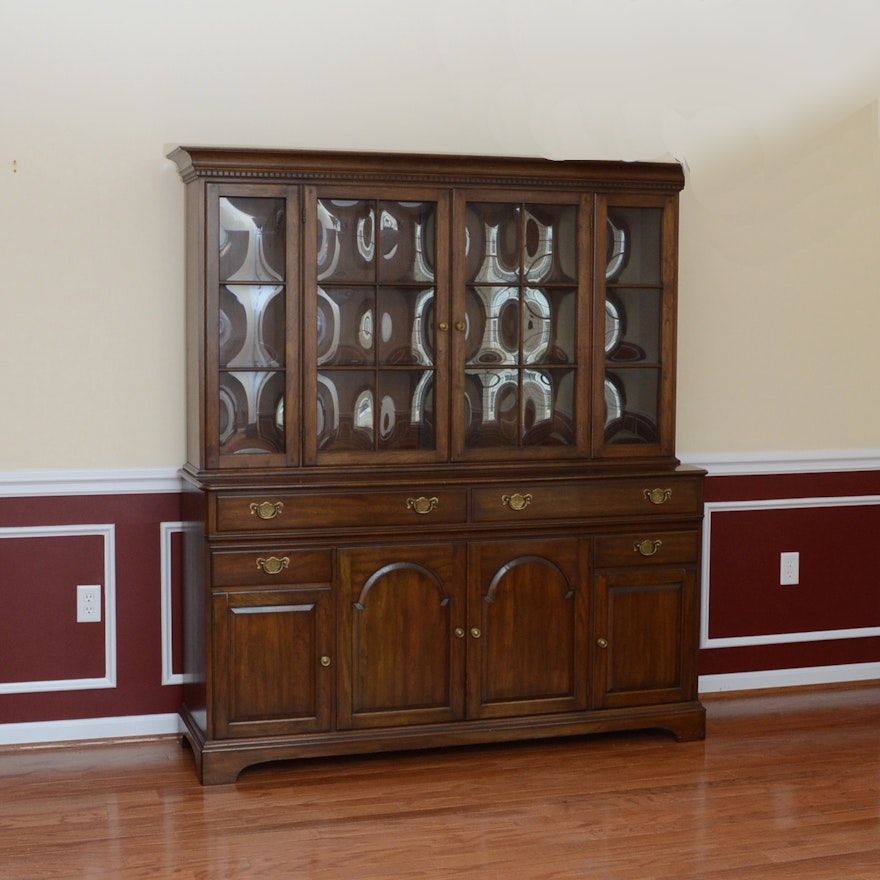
{"x":787,"y":785}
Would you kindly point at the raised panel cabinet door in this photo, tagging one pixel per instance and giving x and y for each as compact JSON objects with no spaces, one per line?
{"x":402,"y":643}
{"x":273,"y":663}
{"x":527,"y":627}
{"x":645,"y":637}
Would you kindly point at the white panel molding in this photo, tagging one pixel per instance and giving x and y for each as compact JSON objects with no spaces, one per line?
{"x":104,"y":482}
{"x":169,"y":676}
{"x":107,"y":532}
{"x":781,"y":678}
{"x":80,"y":729}
{"x":759,"y":463}
{"x":711,"y":508}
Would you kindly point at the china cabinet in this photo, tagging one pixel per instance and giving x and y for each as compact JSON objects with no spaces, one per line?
{"x":432,"y":492}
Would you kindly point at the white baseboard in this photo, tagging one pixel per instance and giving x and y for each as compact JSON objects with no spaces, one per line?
{"x":123,"y":727}
{"x":779,"y":678}
{"x":135,"y":726}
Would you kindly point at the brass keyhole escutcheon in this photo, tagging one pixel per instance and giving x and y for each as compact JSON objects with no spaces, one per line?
{"x":422,"y":505}
{"x":325,"y":660}
{"x":602,"y":643}
{"x":517,"y":501}
{"x":267,"y":509}
{"x":272,"y":564}
{"x":647,"y":547}
{"x":658,"y":496}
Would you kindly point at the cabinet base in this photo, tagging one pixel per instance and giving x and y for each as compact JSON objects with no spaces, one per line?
{"x":220,"y":761}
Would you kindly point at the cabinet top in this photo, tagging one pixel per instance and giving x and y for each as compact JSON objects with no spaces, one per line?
{"x":299,"y":165}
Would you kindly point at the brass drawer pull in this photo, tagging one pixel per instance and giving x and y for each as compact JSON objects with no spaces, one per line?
{"x":658,"y":496}
{"x":647,"y":547}
{"x":273,"y":565}
{"x":517,"y":501}
{"x":422,"y":505}
{"x":267,"y":509}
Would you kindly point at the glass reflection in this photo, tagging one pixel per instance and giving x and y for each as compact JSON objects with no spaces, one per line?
{"x":251,"y":412}
{"x":508,"y":407}
{"x":395,"y":414}
{"x":251,"y":326}
{"x":362,"y":241}
{"x":252,"y":240}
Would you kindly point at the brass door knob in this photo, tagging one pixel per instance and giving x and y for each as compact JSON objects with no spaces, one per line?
{"x":602,"y":643}
{"x":460,"y":325}
{"x":459,"y":632}
{"x":443,"y":326}
{"x":325,"y":660}
{"x":475,"y":632}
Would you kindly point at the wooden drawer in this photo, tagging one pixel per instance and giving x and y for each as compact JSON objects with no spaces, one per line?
{"x":588,"y":499}
{"x":647,"y":548}
{"x":332,"y":510}
{"x":270,"y":565}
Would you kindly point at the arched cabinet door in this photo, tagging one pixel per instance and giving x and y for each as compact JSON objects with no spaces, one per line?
{"x":527,"y":624}
{"x":402,"y":646}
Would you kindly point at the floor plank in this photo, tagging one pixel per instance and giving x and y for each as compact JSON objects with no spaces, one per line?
{"x":786,"y":785}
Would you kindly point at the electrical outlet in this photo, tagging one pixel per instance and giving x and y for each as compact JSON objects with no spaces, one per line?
{"x":88,"y":603}
{"x":789,"y":568}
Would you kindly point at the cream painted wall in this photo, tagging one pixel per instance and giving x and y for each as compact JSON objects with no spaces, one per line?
{"x":779,"y":268}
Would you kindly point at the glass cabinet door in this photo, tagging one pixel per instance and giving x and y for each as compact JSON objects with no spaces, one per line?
{"x":519,"y":315}
{"x":633,"y":340}
{"x":375,"y":313}
{"x":251,"y":278}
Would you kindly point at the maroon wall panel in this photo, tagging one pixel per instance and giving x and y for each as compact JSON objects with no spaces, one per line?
{"x":819,"y":516}
{"x":38,"y":578}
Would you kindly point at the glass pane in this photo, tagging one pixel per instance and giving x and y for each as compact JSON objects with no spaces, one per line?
{"x":492,"y":243}
{"x":251,"y":325}
{"x":406,"y":326}
{"x":495,"y":417}
{"x":633,"y":326}
{"x":492,"y":325}
{"x":252,"y":412}
{"x":492,"y":411}
{"x":252,"y":240}
{"x":346,"y":240}
{"x":550,"y":243}
{"x":548,"y":407}
{"x":632,"y":405}
{"x":346,"y":326}
{"x":345,"y":409}
{"x":405,"y":409}
{"x":633,"y":250}
{"x":406,"y":241}
{"x":552,"y":340}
